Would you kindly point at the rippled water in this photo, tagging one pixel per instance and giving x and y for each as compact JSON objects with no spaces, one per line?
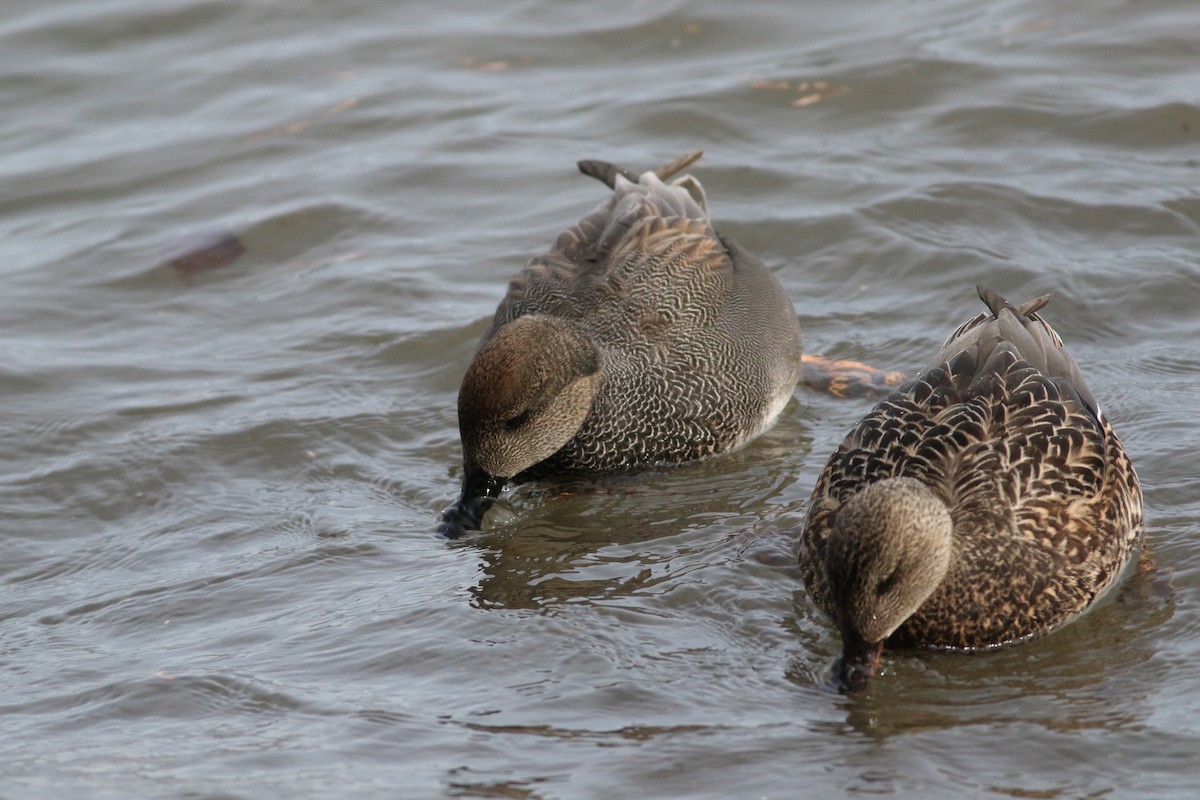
{"x":219,"y":486}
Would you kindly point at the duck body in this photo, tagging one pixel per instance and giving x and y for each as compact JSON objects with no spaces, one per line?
{"x":643,"y":338}
{"x":984,"y":502}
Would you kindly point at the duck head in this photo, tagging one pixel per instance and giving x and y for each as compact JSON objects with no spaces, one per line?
{"x":526,"y":394}
{"x":888,"y":550}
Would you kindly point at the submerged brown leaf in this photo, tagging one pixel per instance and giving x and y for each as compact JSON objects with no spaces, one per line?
{"x":205,"y":252}
{"x":495,"y":65}
{"x":304,"y":124}
{"x":809,"y":91}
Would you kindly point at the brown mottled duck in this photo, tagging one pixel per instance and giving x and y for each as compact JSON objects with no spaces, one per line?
{"x":984,"y":502}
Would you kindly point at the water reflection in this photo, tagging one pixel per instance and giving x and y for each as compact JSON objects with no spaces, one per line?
{"x":1066,"y":682}
{"x":575,"y":545}
{"x":614,"y":537}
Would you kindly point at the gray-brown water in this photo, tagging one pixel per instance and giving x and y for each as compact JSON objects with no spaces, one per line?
{"x":220,"y":481}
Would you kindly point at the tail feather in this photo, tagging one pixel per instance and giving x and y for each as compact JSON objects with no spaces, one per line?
{"x":1038,"y":343}
{"x":607,"y":172}
{"x":996,"y":303}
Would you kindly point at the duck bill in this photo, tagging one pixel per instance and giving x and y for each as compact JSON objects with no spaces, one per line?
{"x":480,"y":489}
{"x":859,"y":661}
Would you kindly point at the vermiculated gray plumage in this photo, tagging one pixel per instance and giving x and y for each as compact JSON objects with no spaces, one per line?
{"x":1044,"y":504}
{"x":695,"y":345}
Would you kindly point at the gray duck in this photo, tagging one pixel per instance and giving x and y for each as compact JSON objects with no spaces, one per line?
{"x":984,"y":502}
{"x":642,"y":338}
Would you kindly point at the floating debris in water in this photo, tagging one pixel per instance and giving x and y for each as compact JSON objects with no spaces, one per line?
{"x":496,"y":65}
{"x":300,"y":126}
{"x":810,"y":91}
{"x":205,"y":252}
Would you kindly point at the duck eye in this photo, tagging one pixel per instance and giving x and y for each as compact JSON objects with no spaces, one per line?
{"x":888,"y":583}
{"x":513,"y":423}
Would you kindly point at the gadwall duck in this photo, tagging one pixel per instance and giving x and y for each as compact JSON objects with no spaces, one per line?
{"x":643,"y":338}
{"x":984,"y":502}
